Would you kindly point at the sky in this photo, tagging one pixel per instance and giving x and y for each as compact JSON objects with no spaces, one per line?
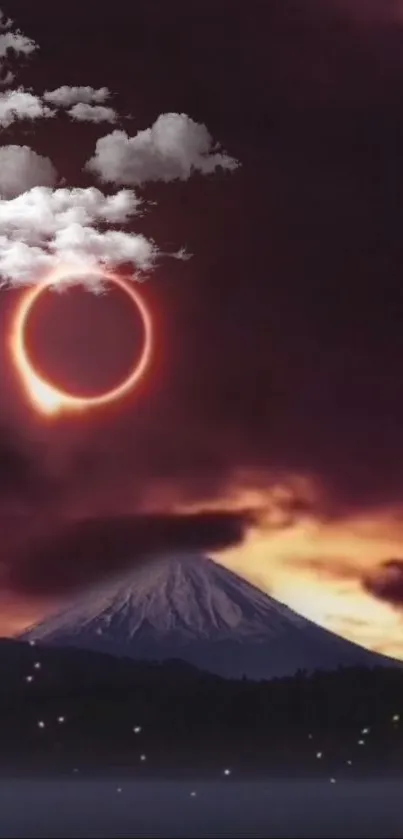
{"x":244,"y":174}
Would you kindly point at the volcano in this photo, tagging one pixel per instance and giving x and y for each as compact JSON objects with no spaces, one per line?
{"x":192,"y":609}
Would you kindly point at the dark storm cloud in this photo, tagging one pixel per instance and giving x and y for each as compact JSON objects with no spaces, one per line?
{"x":90,"y":550}
{"x":386,"y":582}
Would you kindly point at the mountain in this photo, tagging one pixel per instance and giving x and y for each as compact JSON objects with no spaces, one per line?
{"x":191,"y":608}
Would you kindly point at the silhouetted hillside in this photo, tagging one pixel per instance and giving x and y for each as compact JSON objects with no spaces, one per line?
{"x":80,"y":712}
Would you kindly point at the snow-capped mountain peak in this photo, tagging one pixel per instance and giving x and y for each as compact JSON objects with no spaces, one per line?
{"x":189,"y":607}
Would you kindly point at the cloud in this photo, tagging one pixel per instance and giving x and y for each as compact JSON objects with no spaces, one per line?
{"x":40,"y":227}
{"x":65,"y":96}
{"x":92,"y":113}
{"x":20,"y":104}
{"x":386,"y":582}
{"x":93,"y":549}
{"x":21,"y":168}
{"x":41,"y":211}
{"x":43,"y":228}
{"x":17,"y":43}
{"x":14,"y":44}
{"x":173,"y":148}
{"x":5,"y":22}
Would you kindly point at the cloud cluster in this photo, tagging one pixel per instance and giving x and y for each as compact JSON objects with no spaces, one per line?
{"x":65,"y":96}
{"x":17,"y":43}
{"x":92,"y":113}
{"x":12,"y":43}
{"x":42,"y":226}
{"x":103,"y":547}
{"x":21,"y":168}
{"x":172,"y":149}
{"x":21,"y":104}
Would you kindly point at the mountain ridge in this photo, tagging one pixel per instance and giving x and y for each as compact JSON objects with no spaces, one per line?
{"x":190,"y":607}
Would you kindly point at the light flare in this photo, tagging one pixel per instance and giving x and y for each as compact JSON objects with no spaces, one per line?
{"x":45,"y":397}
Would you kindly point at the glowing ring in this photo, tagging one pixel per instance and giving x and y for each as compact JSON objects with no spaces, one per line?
{"x":44,"y":396}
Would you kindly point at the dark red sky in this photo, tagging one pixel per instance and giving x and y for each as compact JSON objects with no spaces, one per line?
{"x":280,"y":343}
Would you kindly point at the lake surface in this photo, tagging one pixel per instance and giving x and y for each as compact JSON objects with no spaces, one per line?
{"x":126,"y":808}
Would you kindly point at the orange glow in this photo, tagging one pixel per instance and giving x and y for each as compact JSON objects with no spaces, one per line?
{"x":313,"y":564}
{"x":45,"y":396}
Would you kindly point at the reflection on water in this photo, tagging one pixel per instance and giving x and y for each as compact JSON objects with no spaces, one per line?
{"x":124,"y":808}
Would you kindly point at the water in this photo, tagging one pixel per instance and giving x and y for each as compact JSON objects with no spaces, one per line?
{"x":95,"y":808}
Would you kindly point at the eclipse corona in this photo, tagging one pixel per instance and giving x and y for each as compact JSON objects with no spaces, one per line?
{"x":44,"y":395}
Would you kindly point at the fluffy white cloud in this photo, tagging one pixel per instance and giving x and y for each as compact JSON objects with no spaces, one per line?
{"x":41,"y":211}
{"x":43,"y":228}
{"x":92,"y":113}
{"x":17,"y":43}
{"x":21,"y":263}
{"x":21,"y":168}
{"x":65,"y":96}
{"x":173,"y":148}
{"x":20,"y":104}
{"x":76,"y":244}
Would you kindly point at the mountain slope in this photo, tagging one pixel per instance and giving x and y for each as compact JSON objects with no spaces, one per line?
{"x":190,"y":608}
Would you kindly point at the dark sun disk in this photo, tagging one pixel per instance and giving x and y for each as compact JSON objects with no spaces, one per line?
{"x":83,"y":343}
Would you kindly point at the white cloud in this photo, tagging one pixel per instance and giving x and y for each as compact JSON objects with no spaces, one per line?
{"x":112,"y":247}
{"x":173,"y":148}
{"x":17,"y":43}
{"x":21,"y":263}
{"x":43,"y":228}
{"x":65,"y":96}
{"x":41,"y":211}
{"x":21,"y":168}
{"x":92,"y":113}
{"x":20,"y":104}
